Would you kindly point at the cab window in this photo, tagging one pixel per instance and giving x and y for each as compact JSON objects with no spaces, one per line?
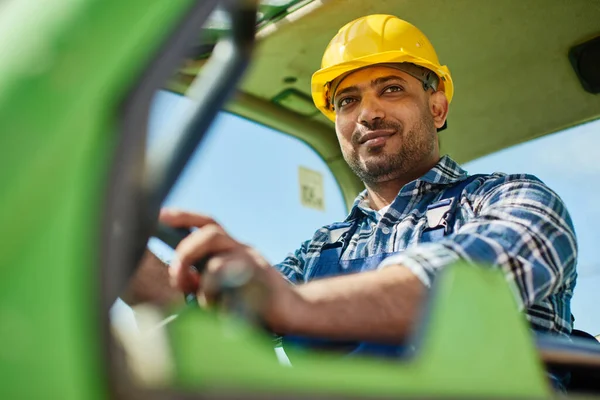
{"x":267,"y":189}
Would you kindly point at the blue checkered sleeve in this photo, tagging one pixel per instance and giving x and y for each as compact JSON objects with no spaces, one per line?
{"x":517,"y":224}
{"x":292,"y":267}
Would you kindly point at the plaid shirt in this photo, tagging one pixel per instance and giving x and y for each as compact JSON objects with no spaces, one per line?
{"x":514,"y":222}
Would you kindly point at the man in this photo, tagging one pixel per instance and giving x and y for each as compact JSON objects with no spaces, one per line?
{"x":364,"y":279}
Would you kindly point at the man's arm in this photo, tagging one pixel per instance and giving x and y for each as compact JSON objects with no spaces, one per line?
{"x":377,"y":306}
{"x":380,"y":305}
{"x":151,"y":284}
{"x":520,"y":226}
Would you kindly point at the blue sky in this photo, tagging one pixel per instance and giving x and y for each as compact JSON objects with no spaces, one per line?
{"x":245,"y":176}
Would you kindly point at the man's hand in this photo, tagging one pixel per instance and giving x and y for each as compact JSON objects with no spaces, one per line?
{"x":377,"y":305}
{"x":210,"y":244}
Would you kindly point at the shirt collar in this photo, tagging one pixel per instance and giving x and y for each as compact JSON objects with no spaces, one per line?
{"x":445,"y":172}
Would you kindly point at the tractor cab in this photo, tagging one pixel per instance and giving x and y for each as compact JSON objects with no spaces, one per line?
{"x":112,"y":109}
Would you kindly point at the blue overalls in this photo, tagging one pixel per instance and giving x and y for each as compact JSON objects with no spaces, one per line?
{"x":440,"y":217}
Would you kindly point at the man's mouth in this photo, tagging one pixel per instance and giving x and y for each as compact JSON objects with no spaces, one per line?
{"x":376,"y":138}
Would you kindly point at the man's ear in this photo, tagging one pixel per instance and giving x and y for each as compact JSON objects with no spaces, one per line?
{"x":438,"y":106}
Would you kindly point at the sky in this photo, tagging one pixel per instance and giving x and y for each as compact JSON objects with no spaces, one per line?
{"x":246,"y":177}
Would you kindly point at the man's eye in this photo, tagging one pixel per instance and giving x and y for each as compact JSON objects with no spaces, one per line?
{"x":344,"y":102}
{"x":393,"y":88}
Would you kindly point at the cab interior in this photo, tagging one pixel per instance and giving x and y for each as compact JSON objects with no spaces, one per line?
{"x":522,"y":70}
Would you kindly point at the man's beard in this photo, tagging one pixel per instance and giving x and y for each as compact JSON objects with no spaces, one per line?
{"x":417,"y":144}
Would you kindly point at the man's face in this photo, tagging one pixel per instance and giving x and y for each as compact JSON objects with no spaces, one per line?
{"x":385,"y":123}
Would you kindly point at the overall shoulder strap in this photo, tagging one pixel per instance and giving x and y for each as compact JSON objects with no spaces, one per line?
{"x":440,"y":215}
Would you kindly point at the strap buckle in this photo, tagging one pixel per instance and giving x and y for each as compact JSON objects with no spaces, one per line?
{"x":438,"y":212}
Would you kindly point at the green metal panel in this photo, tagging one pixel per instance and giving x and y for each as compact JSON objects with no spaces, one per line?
{"x":66,"y":66}
{"x":480,"y":348}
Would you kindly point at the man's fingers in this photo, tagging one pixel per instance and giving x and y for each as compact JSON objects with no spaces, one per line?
{"x":204,"y":242}
{"x":197,"y":246}
{"x":184,"y":219}
{"x":183,"y":277}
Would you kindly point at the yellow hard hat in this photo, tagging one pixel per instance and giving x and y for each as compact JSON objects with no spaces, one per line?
{"x":375,"y":39}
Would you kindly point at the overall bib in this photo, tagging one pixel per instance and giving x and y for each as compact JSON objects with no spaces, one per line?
{"x":440,"y":217}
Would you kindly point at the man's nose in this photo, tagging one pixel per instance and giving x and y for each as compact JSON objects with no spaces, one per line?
{"x":370,"y":110}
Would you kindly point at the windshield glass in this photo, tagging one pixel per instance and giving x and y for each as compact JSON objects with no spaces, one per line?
{"x":247,"y":177}
{"x":268,"y":190}
{"x":567,"y":162}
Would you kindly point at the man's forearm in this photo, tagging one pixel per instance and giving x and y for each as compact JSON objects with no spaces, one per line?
{"x":377,"y":306}
{"x":151,"y":284}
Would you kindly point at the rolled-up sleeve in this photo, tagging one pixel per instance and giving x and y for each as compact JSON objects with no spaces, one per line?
{"x":517,"y":224}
